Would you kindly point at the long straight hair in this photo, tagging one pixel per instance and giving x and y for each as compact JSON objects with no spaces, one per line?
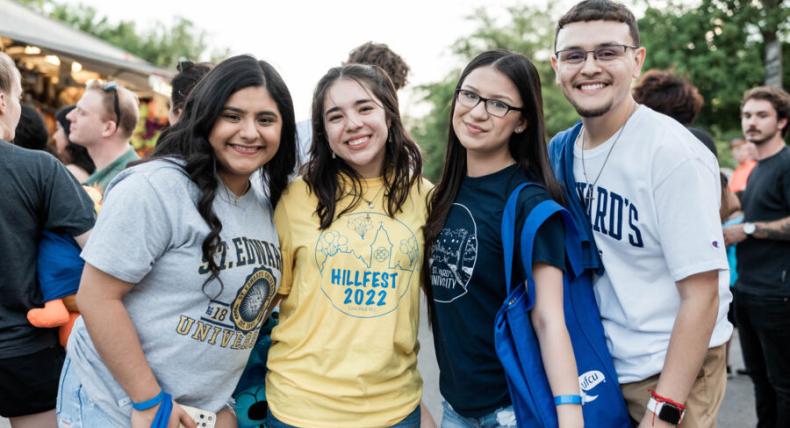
{"x":188,"y":138}
{"x":527,"y":148}
{"x":402,"y":159}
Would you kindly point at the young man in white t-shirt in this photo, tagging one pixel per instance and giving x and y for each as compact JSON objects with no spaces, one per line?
{"x":647,"y":195}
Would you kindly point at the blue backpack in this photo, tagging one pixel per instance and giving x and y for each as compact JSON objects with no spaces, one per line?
{"x":517,"y":345}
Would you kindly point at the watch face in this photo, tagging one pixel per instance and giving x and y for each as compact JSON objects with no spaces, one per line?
{"x":669,"y":413}
{"x":748,"y":228}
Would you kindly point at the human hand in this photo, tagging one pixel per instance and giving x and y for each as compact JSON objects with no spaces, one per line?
{"x":178,"y":417}
{"x":734,"y":234}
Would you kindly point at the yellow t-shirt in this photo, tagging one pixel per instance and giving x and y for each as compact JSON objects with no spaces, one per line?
{"x":345,"y":351}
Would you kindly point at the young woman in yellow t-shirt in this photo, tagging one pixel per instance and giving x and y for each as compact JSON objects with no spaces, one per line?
{"x":345,"y":350}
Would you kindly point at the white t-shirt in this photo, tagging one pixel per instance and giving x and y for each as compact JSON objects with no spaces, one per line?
{"x":655,"y":218}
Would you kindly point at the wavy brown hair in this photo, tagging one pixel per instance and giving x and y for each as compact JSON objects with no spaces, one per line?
{"x":381,"y":55}
{"x":325,"y":175}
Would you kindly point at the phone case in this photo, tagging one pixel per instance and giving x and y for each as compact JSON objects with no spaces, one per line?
{"x":202,"y":418}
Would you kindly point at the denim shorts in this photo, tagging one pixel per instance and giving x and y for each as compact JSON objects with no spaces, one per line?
{"x":410,"y":421}
{"x":74,"y":408}
{"x":500,"y":418}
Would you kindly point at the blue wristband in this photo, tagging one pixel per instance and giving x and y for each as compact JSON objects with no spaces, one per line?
{"x":147,"y":404}
{"x":559,"y":400}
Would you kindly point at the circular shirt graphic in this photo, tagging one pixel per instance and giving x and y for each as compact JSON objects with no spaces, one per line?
{"x":253,"y":299}
{"x":453,"y":255}
{"x":366,"y":261}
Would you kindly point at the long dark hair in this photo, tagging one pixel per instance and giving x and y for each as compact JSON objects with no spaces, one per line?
{"x":527,"y":148}
{"x":188,"y":139}
{"x":402,"y":159}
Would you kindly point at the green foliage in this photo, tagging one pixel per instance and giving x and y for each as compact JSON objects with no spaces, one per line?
{"x":719,"y":47}
{"x":529,"y":31}
{"x":161,"y":45}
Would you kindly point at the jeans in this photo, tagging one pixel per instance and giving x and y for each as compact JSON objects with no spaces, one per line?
{"x":410,"y":421}
{"x":500,"y":418}
{"x":74,"y":408}
{"x":764,"y":328}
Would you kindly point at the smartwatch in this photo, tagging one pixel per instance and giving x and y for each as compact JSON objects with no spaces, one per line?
{"x":749,"y":228}
{"x":667,"y":412}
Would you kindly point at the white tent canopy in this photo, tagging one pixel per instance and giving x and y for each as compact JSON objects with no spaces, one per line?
{"x":23,"y":25}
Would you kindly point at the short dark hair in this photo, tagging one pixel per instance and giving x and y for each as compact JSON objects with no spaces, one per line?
{"x":189,"y":73}
{"x":668,"y":93}
{"x":31,"y":133}
{"x":778,"y":97}
{"x":599,"y":10}
{"x":381,"y":55}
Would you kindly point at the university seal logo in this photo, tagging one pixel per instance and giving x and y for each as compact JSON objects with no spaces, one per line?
{"x":253,"y":299}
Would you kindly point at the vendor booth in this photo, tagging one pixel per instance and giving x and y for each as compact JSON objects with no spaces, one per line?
{"x":57,"y":60}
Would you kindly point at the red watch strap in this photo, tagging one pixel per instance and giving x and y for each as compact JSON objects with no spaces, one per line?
{"x":662,"y":399}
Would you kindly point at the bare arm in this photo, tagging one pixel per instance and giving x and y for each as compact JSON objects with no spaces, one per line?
{"x":548,"y":318}
{"x":426,"y":419}
{"x":699,"y":305}
{"x":100,"y":297}
{"x":83,"y":239}
{"x":730,"y":204}
{"x":778,"y":230}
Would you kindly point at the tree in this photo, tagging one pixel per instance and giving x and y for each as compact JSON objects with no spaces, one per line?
{"x":719,"y":45}
{"x":528,"y":30}
{"x":161,"y":45}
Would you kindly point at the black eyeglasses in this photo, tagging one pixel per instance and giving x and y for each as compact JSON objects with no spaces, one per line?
{"x":606,"y":53}
{"x":493,"y":107}
{"x":113,"y":87}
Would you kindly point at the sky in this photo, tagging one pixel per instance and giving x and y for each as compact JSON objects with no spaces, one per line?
{"x":303,"y":39}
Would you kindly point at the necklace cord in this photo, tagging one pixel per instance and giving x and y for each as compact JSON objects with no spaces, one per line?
{"x":588,"y":193}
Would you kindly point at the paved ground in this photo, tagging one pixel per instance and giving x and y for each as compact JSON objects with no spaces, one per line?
{"x":737,"y":411}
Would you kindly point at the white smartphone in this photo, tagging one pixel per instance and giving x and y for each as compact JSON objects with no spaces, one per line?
{"x":202,"y":418}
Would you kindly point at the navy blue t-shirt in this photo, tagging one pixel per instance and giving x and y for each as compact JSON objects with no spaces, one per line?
{"x":468,"y":284}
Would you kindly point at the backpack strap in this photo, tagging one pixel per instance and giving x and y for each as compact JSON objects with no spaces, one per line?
{"x":542,"y":212}
{"x":508,"y":233}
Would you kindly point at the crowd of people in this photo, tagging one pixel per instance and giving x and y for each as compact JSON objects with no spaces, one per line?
{"x":177,"y":260}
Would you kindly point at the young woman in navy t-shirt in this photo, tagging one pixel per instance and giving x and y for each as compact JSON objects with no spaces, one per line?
{"x":496,"y":141}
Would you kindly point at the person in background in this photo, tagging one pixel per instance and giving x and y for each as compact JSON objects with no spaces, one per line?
{"x":762,"y":302}
{"x":103,"y":123}
{"x":664,"y":292}
{"x":189,"y":74}
{"x":666,"y":92}
{"x":745,"y":153}
{"x":31,"y":133}
{"x":369,"y":53}
{"x":37,"y":194}
{"x":75,"y":157}
{"x":670,"y":94}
